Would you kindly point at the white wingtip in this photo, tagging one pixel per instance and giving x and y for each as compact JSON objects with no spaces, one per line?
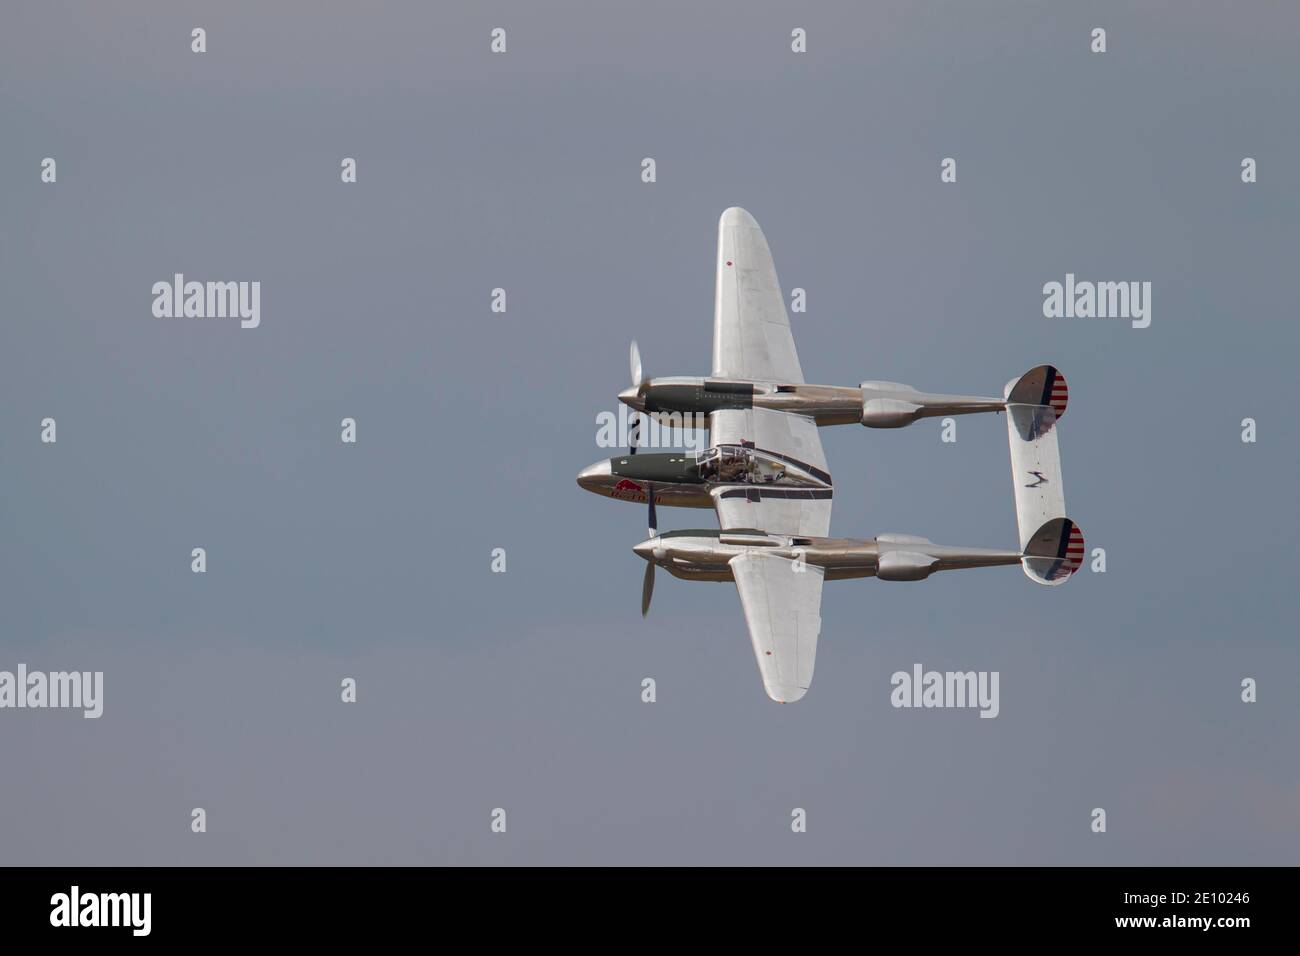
{"x":735,"y":216}
{"x":784,"y":693}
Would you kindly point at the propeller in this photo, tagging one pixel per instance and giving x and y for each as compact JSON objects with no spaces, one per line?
{"x":634,"y":363}
{"x":647,"y":587}
{"x":648,"y":582}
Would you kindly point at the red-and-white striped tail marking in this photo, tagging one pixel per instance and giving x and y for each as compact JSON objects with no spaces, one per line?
{"x":1059,"y":395}
{"x":1072,"y":558}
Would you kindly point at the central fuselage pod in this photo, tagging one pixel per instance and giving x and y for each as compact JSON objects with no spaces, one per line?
{"x":677,"y":478}
{"x":673,"y":477}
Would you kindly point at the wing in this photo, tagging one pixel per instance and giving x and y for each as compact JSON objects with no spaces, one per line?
{"x":783,"y":610}
{"x":751,"y":331}
{"x":804,"y":512}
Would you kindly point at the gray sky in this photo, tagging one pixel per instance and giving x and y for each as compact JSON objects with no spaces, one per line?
{"x":522,"y":690}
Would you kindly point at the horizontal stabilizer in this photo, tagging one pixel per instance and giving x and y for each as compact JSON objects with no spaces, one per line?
{"x":1050,"y":542}
{"x":1055,"y":551}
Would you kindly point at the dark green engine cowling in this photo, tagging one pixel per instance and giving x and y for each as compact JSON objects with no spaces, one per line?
{"x":699,"y":399}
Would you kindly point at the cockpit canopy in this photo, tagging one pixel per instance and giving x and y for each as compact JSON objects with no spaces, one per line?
{"x":744,"y":465}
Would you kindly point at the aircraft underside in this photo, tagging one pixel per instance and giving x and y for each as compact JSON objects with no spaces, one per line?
{"x":765,"y":473}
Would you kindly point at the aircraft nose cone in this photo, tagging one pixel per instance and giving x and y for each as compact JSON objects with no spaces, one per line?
{"x":592,"y":475}
{"x":646,"y":549}
{"x":631,"y":397}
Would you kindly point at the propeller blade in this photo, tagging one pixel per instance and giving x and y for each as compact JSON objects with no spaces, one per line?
{"x":634,"y":435}
{"x":654,"y":522}
{"x":634,"y":357}
{"x":647,"y":587}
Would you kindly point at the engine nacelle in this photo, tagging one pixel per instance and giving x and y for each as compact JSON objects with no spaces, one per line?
{"x":905,"y":566}
{"x":889,"y":413}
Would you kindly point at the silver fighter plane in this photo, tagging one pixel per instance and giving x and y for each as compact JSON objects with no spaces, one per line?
{"x":766,"y":476}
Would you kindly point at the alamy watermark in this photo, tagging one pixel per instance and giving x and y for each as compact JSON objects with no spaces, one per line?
{"x":83,"y":690}
{"x":1102,"y":300}
{"x":208,"y":300}
{"x":922,"y":688}
{"x":75,"y":908}
{"x":626,"y":428}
